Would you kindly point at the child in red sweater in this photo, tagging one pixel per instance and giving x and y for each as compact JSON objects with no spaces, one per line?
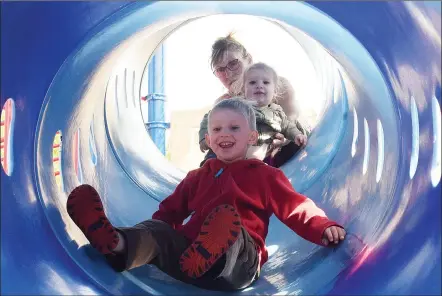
{"x":230,"y":200}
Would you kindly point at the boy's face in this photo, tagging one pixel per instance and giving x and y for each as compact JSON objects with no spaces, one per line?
{"x":259,"y":86}
{"x":229,"y":135}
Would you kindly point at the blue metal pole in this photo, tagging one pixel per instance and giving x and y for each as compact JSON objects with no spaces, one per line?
{"x":156,"y":100}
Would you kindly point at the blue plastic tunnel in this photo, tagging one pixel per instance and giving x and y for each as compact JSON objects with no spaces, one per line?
{"x":70,"y":78}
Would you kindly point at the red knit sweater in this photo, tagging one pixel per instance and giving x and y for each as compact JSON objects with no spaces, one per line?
{"x":255,"y":189}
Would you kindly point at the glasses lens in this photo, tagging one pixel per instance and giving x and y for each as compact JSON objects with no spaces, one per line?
{"x":233,"y":65}
{"x":218,"y":72}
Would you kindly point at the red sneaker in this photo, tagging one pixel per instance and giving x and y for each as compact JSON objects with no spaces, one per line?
{"x":220,"y":230}
{"x":85,"y":208}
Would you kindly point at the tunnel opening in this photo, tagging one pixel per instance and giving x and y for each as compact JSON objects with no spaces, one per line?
{"x":190,"y":88}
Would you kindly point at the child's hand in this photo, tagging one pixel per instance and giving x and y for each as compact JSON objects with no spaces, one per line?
{"x":279,"y":140}
{"x":333,"y":234}
{"x":301,"y":140}
{"x":203,"y":146}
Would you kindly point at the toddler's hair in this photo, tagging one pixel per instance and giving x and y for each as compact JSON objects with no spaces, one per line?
{"x":222,"y":45}
{"x":239,"y":105}
{"x":265,"y":67}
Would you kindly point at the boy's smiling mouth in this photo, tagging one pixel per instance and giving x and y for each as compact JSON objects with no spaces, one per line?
{"x":226,"y":144}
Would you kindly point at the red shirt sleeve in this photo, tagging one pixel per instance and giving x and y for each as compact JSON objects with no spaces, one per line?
{"x":173,"y":210}
{"x":297,"y":211}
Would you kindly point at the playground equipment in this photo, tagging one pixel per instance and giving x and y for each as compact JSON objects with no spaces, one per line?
{"x":73,"y":71}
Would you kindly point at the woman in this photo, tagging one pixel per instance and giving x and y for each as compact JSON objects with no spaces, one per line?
{"x":228,"y":60}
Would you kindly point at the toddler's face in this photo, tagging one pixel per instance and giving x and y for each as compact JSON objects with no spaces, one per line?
{"x":229,"y":135}
{"x":259,"y":86}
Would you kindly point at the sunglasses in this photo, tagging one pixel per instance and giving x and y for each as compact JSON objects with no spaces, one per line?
{"x":232,"y":66}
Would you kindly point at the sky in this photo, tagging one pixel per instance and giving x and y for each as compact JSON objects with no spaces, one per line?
{"x":190,"y":83}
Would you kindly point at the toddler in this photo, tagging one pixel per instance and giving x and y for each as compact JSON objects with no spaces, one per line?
{"x":260,"y":88}
{"x":229,"y":200}
{"x":260,"y":83}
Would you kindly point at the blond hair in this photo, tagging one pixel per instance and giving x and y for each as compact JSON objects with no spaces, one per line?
{"x":224,"y":44}
{"x":239,"y":105}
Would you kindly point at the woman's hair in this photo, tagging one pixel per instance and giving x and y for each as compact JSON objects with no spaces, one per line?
{"x":222,"y":45}
{"x":265,"y":67}
{"x":237,"y":104}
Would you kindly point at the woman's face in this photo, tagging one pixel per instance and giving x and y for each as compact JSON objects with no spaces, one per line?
{"x":230,"y":68}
